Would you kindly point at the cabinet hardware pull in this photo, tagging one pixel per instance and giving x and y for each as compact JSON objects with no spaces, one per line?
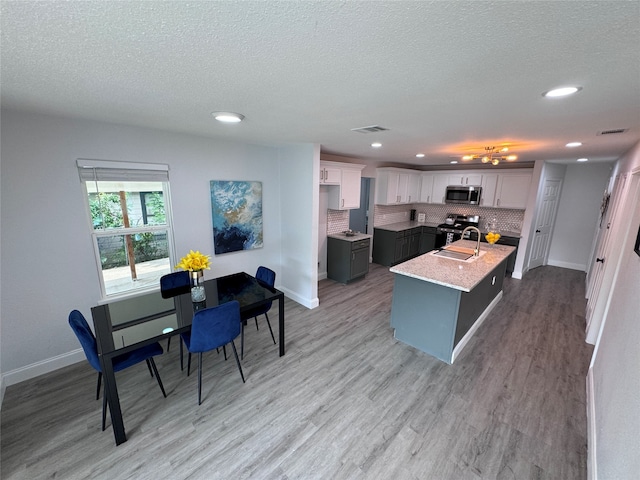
{"x":601,"y":260}
{"x":537,"y":231}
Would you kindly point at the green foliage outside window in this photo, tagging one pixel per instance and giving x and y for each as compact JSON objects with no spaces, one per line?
{"x":106,"y":211}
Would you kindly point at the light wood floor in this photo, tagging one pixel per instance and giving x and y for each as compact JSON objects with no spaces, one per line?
{"x":346,"y":402}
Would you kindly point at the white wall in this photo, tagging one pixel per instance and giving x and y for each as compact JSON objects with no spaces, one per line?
{"x":48,"y":265}
{"x":614,"y":374}
{"x":299,"y":203}
{"x":578,"y":215}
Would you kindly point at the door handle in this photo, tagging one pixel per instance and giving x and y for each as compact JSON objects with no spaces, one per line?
{"x":601,"y":260}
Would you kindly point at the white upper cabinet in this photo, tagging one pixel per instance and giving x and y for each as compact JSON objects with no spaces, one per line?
{"x":413,"y":188}
{"x":343,"y":180}
{"x":500,"y":188}
{"x":426,"y":188}
{"x":397,"y":186}
{"x":440,"y":183}
{"x":465,"y":179}
{"x":349,"y":189}
{"x":488,"y":195}
{"x":330,"y":174}
{"x":512,"y":190}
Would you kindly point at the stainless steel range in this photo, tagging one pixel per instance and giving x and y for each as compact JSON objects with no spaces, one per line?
{"x":451,"y":230}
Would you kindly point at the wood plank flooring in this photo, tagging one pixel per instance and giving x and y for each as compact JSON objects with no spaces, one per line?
{"x":347,"y":401}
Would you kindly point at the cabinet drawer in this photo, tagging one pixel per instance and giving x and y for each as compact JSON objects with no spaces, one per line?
{"x":360,"y":244}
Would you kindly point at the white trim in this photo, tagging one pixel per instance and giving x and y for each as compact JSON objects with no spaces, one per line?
{"x":483,"y":316}
{"x":592,"y":465}
{"x":305,"y":302}
{"x":572,"y":266}
{"x":44,"y":366}
{"x":91,"y":163}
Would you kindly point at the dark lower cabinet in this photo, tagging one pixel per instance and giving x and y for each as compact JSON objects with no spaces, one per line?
{"x":347,"y":260}
{"x":427,"y":240}
{"x":391,"y":247}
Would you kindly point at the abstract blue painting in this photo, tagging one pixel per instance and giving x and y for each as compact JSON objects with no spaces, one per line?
{"x":236,"y":208}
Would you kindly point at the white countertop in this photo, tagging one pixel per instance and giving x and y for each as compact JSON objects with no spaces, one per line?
{"x":455,"y":273}
{"x":354,"y":238}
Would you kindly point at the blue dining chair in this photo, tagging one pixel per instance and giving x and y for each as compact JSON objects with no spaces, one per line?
{"x":171,"y":285}
{"x":212,"y":328}
{"x":267,"y":277}
{"x":81,"y":328}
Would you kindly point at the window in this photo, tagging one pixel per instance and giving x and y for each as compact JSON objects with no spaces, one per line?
{"x":130,"y":223}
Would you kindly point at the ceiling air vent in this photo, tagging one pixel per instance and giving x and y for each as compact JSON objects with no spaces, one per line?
{"x":370,"y":129}
{"x":611,"y":132}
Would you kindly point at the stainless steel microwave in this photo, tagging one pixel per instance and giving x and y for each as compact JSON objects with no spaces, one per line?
{"x":466,"y":194}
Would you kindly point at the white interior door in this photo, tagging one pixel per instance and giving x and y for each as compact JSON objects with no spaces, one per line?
{"x":544,"y":222}
{"x":596,"y":270}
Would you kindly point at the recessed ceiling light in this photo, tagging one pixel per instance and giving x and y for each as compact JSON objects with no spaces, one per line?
{"x":573,"y":144}
{"x":561,"y":92}
{"x":376,"y":144}
{"x":420,"y":155}
{"x":582,"y":160}
{"x":453,"y":161}
{"x":228,"y":117}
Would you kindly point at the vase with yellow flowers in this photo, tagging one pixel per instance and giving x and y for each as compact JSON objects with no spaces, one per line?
{"x":195,"y":263}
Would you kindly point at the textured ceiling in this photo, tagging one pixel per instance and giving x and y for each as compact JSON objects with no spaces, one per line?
{"x":443,"y":77}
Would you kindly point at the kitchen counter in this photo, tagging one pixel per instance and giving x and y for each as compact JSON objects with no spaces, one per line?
{"x":455,"y":273}
{"x":438,"y":303}
{"x":351,"y":238}
{"x":399,"y":226}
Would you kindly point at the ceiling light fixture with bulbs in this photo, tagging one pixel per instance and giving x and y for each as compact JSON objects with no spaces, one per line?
{"x":492,"y":155}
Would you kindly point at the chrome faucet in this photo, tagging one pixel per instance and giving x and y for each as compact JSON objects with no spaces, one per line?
{"x":476,"y":251}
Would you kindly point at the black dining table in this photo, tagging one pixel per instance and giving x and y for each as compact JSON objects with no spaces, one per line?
{"x":125,"y":325}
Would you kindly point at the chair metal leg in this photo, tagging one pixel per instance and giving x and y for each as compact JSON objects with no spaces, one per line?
{"x":269,"y":324}
{"x":149,"y":367}
{"x":99,"y":384}
{"x":155,"y":371}
{"x":189,"y":364}
{"x":168,"y":343}
{"x":235,"y":352}
{"x":200,"y":378}
{"x":256,"y":320}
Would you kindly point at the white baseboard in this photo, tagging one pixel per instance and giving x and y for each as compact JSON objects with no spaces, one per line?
{"x":306,"y":302}
{"x":40,"y":368}
{"x":571,"y":266}
{"x":467,"y":336}
{"x":592,"y":471}
{"x":322,"y":276}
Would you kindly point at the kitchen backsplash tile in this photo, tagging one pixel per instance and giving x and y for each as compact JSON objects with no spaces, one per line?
{"x":506,"y":219}
{"x":337,"y":221}
{"x":511,"y":220}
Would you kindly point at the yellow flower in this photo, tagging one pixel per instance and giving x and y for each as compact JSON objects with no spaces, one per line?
{"x":194,"y":261}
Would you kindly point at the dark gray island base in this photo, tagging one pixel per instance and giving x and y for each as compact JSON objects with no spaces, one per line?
{"x":438,"y":303}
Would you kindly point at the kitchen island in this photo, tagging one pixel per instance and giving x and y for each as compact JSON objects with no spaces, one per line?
{"x":438,"y":302}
